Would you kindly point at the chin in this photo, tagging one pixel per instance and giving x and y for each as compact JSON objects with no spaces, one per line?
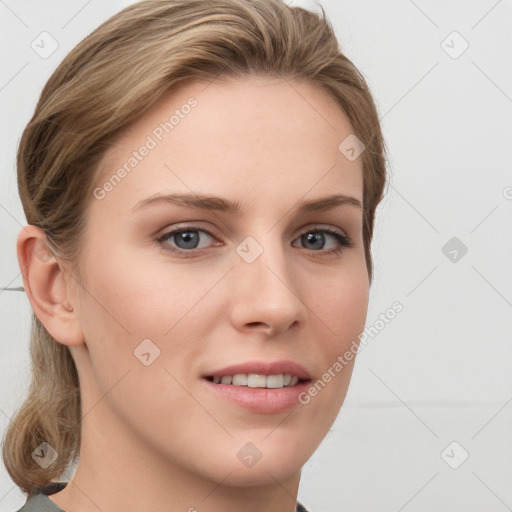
{"x":260,"y":474}
{"x":241,"y":463}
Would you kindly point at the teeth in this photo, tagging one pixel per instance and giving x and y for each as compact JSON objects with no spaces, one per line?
{"x":254,"y":380}
{"x":272,"y":381}
{"x":240,"y":379}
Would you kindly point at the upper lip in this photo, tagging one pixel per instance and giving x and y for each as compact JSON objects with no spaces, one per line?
{"x":263,"y":368}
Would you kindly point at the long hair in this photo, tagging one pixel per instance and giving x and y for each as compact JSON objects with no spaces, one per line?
{"x":103,"y":85}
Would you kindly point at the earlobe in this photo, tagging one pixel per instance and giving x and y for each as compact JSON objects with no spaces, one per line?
{"x":46,"y":287}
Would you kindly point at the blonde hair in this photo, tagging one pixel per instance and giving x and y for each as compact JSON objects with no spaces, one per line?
{"x":103,"y":85}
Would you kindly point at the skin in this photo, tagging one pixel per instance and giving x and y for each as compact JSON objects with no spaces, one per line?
{"x":154,"y":437}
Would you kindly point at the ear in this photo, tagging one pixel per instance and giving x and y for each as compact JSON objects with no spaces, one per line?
{"x":46,"y":287}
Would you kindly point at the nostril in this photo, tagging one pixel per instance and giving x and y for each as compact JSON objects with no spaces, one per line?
{"x":257,"y":324}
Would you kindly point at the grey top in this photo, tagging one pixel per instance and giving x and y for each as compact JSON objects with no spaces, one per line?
{"x":41,"y":503}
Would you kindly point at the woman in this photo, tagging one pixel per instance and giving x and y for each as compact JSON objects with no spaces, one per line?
{"x":200,"y":183}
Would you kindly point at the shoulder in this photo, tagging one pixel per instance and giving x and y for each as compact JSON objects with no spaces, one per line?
{"x":39,"y":502}
{"x":301,"y":507}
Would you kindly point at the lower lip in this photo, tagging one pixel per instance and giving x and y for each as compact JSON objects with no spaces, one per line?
{"x":262,"y":400}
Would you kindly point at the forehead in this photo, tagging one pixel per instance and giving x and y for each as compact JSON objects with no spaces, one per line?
{"x":259,"y":138}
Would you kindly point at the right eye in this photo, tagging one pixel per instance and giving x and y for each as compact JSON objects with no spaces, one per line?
{"x":185,"y":240}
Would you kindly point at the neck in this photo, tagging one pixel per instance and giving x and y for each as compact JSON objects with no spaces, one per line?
{"x":121,"y":472}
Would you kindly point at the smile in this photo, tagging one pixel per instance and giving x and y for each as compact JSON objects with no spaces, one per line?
{"x":254,"y":380}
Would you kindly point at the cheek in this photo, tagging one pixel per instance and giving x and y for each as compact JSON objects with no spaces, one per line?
{"x":131,"y":300}
{"x":135,"y":297}
{"x":338,"y":317}
{"x":128,"y":302}
{"x":339,"y":309}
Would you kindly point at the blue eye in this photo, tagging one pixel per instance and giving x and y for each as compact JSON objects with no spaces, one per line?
{"x":184,"y":241}
{"x":316,"y":238}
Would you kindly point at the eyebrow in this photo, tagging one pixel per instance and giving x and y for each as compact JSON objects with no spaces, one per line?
{"x":207,"y":202}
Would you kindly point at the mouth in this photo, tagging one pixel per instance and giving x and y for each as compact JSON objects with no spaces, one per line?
{"x":260,"y":374}
{"x":255,"y":380}
{"x":259,"y":393}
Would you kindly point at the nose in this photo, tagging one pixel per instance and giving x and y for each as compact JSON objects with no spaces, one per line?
{"x":265,"y":294}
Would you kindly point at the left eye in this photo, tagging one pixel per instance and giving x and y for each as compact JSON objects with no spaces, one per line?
{"x":316,"y":237}
{"x":185,"y":240}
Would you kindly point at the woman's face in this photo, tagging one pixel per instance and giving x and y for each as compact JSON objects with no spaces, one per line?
{"x":161,"y":312}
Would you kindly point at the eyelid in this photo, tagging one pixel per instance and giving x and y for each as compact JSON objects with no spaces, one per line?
{"x":322,"y":227}
{"x":183,"y":226}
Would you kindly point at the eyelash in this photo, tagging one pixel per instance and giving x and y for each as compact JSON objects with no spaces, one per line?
{"x":343,"y":240}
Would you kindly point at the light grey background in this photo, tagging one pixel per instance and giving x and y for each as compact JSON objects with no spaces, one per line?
{"x":439,"y":372}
